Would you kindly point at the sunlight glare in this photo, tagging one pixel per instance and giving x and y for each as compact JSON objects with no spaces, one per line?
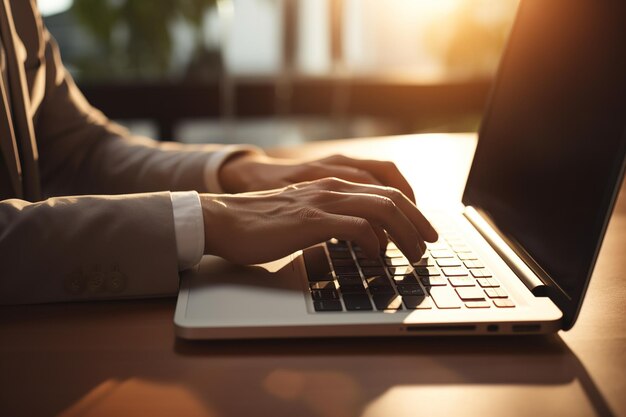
{"x":50,"y":7}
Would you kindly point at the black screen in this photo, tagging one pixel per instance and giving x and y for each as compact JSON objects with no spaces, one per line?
{"x":551,"y":148}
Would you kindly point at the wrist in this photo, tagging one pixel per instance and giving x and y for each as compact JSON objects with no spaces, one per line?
{"x":210,"y":204}
{"x":232,"y":174}
{"x":218,"y":159}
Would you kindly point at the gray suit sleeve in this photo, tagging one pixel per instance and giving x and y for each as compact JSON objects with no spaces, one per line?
{"x":88,"y":247}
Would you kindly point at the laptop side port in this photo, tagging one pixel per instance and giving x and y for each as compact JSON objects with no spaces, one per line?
{"x":492,"y":328}
{"x":442,"y":328}
{"x":526,"y":328}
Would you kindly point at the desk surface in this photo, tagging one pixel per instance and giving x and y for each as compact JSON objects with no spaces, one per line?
{"x":121,"y":358}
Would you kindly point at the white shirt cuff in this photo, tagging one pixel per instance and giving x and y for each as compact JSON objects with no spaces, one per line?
{"x":217,"y":159}
{"x":188,"y":228}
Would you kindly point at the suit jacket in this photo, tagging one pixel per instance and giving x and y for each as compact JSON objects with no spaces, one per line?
{"x":85,"y":210}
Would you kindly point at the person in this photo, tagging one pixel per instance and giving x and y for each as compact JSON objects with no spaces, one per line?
{"x":89,"y":211}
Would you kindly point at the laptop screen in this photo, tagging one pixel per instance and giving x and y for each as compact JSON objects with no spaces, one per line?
{"x":552,"y":145}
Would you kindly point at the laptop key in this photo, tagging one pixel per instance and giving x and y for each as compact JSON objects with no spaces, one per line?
{"x":350,"y":283}
{"x":357,"y":302}
{"x":342,"y":262}
{"x":461,"y":248}
{"x":473,"y":264}
{"x":378,"y":281}
{"x":325,"y":294}
{"x":428,"y":271}
{"x":349,"y":279}
{"x":414,"y":302}
{"x":503,"y":302}
{"x":480,"y":273}
{"x":387,"y":302}
{"x":391,"y":246}
{"x":346,"y":270}
{"x":381,"y":290}
{"x":477,"y":304}
{"x":487,"y":282}
{"x":448,"y":262}
{"x":327,"y":305}
{"x":454,"y":239}
{"x":360,"y":255}
{"x":370,"y":262}
{"x":373,"y":271}
{"x":439,"y":245}
{"x":405,"y":279}
{"x":425,"y":261}
{"x":352,"y":288}
{"x":462,"y":281}
{"x":316,"y":263}
{"x":400,"y":270}
{"x":396,"y":261}
{"x":496,"y":293}
{"x":444,"y":297}
{"x":441,"y":254}
{"x":340,"y":255}
{"x":467,"y":256}
{"x":454,"y":272}
{"x":322,"y":285}
{"x":433,"y":281}
{"x":470,"y":293}
{"x":409,"y":289}
{"x":394,"y":253}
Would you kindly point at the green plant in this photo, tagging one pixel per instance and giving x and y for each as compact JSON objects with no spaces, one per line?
{"x":135,"y":35}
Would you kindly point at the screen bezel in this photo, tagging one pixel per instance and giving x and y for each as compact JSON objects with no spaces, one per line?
{"x":566,"y":304}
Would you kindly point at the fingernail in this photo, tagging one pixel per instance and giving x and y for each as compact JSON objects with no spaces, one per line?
{"x":420,"y":252}
{"x":416,"y":257}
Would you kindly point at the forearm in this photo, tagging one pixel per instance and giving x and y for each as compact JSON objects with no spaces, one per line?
{"x":82,"y":152}
{"x":130,"y":164}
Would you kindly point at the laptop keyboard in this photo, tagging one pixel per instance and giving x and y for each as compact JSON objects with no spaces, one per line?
{"x":449,"y":276}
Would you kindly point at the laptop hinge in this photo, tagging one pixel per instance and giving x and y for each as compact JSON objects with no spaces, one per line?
{"x":519,"y":267}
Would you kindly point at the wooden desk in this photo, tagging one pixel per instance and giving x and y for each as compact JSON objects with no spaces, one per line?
{"x":121,"y":358}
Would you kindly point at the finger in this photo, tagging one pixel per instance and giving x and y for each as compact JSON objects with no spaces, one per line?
{"x":408,"y":208}
{"x":380,"y":211}
{"x":381,"y":235}
{"x":385,"y":172}
{"x":354,"y":229}
{"x":383,"y":239}
{"x":316,"y":170}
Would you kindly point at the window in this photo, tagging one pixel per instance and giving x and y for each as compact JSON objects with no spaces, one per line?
{"x":318,"y":68}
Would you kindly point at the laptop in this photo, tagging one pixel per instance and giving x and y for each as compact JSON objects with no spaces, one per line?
{"x":515,"y":256}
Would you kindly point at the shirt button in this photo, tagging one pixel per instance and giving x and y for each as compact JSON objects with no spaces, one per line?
{"x":75,"y":283}
{"x":95,"y":282}
{"x":116,"y":281}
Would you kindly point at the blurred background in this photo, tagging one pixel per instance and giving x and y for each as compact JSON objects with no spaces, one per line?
{"x":280,"y":72}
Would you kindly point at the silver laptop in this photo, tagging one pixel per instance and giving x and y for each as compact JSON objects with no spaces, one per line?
{"x":518,"y":253}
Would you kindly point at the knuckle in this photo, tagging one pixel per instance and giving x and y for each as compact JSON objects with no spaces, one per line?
{"x":389,"y":165}
{"x":387,"y":204}
{"x":308,"y":213}
{"x":359,"y":226}
{"x":322,"y":196}
{"x":393,"y":193}
{"x":330,"y":183}
{"x":363,"y":173}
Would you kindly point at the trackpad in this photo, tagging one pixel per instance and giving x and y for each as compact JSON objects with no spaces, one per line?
{"x":225,"y":294}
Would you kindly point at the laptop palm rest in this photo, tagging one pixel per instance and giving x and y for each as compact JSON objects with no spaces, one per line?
{"x":222,"y":294}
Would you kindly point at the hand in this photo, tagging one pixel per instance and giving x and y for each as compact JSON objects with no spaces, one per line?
{"x":253,"y":172}
{"x":257,"y":227}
